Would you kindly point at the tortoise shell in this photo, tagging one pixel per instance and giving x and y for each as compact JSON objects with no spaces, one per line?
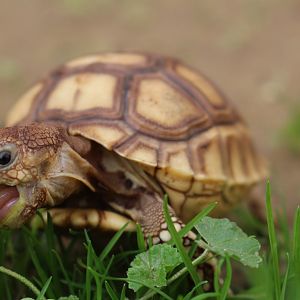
{"x":157,"y":112}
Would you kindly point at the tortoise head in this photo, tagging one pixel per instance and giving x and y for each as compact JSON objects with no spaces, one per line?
{"x":38,"y":168}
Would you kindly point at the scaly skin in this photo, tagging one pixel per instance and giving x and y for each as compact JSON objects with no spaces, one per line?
{"x":42,"y":165}
{"x":32,"y":145}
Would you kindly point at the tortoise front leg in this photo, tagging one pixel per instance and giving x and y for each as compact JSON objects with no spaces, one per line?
{"x":86,"y":218}
{"x":153,"y":222}
{"x":148,"y":212}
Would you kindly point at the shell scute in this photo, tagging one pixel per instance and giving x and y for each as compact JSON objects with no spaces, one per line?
{"x":141,"y":149}
{"x":212,"y":100}
{"x":159,"y":108}
{"x":87,"y":94}
{"x":84,"y":91}
{"x":111,"y":134}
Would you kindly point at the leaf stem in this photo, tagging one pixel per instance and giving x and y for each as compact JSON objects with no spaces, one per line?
{"x":195,"y":262}
{"x":22,"y":279}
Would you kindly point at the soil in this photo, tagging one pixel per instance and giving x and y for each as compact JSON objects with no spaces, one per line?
{"x":249,"y":48}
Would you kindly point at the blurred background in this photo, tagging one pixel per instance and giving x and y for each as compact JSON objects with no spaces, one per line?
{"x":249,"y":48}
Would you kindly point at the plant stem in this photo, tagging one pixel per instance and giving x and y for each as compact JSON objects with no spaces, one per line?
{"x":184,"y":270}
{"x":22,"y":279}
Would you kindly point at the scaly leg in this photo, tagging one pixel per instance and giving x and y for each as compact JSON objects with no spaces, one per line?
{"x":153,"y":222}
{"x":148,"y":212}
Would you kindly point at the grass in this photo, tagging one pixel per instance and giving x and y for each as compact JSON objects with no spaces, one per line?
{"x":273,"y":244}
{"x":50,"y":264}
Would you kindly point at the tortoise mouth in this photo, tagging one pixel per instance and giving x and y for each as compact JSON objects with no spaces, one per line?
{"x":9,"y":195}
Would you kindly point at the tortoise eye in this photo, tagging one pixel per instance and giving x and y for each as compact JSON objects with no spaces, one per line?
{"x":5,"y":158}
{"x":8,"y":155}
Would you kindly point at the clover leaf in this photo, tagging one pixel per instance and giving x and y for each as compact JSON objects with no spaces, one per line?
{"x":151,"y":267}
{"x":226,"y":238}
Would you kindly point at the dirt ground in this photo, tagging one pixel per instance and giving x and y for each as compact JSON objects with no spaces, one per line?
{"x":249,"y":48}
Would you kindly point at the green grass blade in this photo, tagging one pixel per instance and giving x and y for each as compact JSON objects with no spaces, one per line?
{"x":50,"y":237}
{"x":88,"y":275}
{"x":206,"y":296}
{"x":44,"y":289}
{"x":140,"y":238}
{"x":227,"y":281}
{"x":296,"y":256}
{"x":7,"y":290}
{"x":284,"y":284}
{"x":123,"y":293}
{"x":65,"y":273}
{"x":177,"y":240}
{"x":296,"y":241}
{"x":110,"y":291}
{"x":38,"y":267}
{"x":188,"y":227}
{"x":190,"y":294}
{"x":98,"y":263}
{"x":273,"y":243}
{"x":5,"y":236}
{"x":105,"y":273}
{"x":112,"y":242}
{"x":98,"y":288}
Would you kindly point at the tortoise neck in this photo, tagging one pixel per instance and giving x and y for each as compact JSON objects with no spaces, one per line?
{"x":67,"y":174}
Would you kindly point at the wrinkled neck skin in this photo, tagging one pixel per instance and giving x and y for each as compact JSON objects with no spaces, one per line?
{"x":66,"y":175}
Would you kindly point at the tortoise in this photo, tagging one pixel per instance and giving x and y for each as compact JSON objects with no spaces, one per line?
{"x":104,"y":137}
